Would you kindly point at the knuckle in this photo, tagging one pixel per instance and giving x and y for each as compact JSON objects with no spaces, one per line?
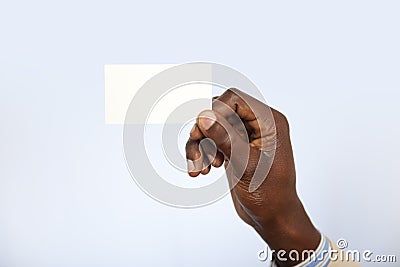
{"x":189,"y":144}
{"x":231,"y":93}
{"x":281,"y":120}
{"x":195,"y":155}
{"x":192,"y":150}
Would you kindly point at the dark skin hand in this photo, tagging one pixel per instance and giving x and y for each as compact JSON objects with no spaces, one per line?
{"x":241,"y":129}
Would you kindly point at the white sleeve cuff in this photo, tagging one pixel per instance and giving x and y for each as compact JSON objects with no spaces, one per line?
{"x":316,"y":258}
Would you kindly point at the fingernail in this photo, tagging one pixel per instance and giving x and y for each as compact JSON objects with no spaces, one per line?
{"x":190,"y":166}
{"x":207,"y":119}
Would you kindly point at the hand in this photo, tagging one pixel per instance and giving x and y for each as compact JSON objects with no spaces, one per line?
{"x":249,"y":135}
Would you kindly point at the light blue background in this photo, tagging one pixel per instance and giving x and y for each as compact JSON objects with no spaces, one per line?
{"x":66,"y":197}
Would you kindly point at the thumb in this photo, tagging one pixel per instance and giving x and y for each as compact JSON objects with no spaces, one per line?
{"x":227,"y":139}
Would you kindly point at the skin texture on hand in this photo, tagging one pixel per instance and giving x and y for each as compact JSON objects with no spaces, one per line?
{"x":236,"y":133}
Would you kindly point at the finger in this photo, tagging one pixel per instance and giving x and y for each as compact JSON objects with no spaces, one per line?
{"x":195,"y":133}
{"x":206,"y":170}
{"x":208,"y":151}
{"x":194,"y":158}
{"x":257,"y":116}
{"x":214,"y":126}
{"x":218,"y":160}
{"x":235,"y":101}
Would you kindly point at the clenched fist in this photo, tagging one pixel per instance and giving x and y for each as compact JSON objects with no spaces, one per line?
{"x":252,"y":141}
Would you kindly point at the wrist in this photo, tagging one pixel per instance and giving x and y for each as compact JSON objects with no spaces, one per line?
{"x":290,"y":229}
